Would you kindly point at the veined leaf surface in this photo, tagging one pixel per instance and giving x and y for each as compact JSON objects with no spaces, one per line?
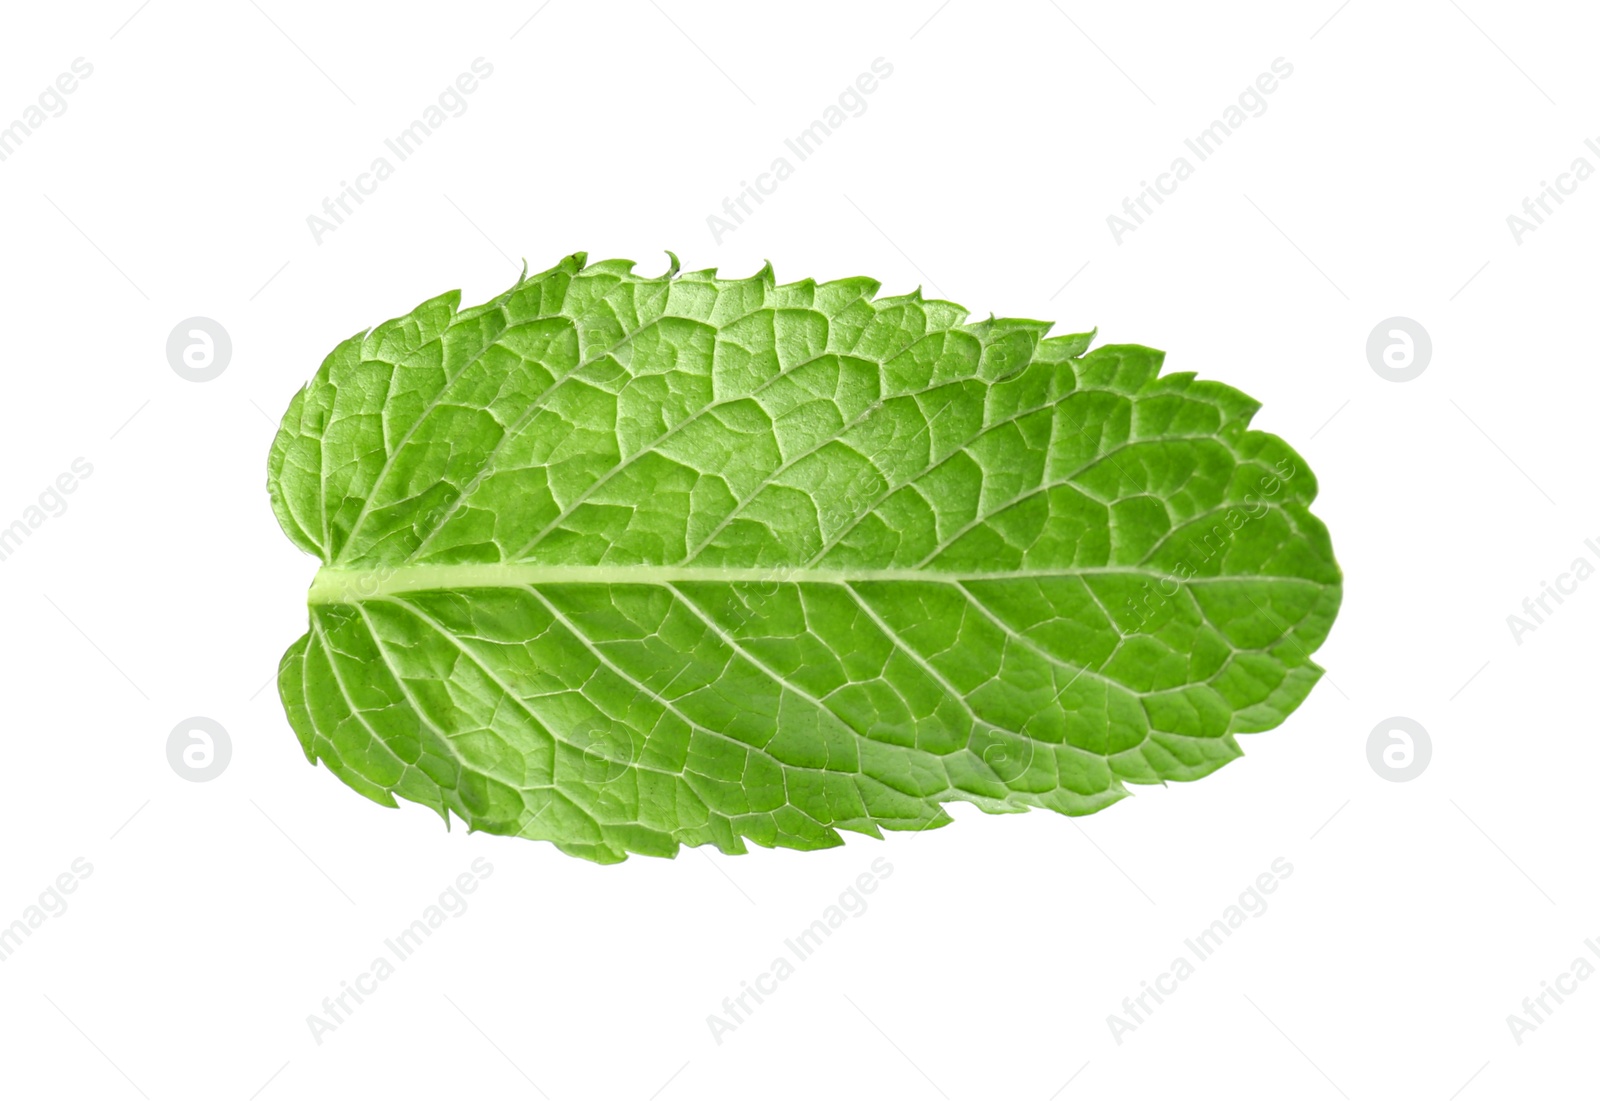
{"x":625,"y":563}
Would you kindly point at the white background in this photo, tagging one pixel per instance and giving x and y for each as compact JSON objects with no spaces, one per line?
{"x":1418,"y":915}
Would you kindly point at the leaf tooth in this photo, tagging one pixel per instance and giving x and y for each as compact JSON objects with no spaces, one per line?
{"x":618,"y":266}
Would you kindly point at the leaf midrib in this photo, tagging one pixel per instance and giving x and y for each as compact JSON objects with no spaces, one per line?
{"x":345,"y":585}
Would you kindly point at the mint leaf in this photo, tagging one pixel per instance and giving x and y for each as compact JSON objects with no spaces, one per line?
{"x":625,"y":563}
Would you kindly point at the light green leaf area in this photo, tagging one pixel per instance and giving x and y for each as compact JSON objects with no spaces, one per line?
{"x":627,"y":563}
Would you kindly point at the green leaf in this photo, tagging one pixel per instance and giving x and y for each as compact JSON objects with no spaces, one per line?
{"x":625,"y":563}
